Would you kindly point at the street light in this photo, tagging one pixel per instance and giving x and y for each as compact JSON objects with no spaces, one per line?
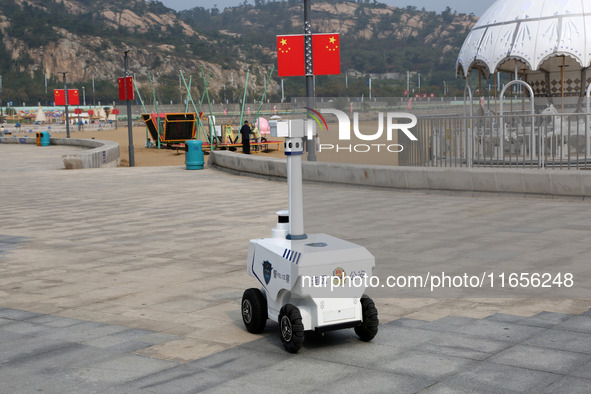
{"x":444,"y":88}
{"x":66,"y":107}
{"x":84,"y":96}
{"x":129,"y":127}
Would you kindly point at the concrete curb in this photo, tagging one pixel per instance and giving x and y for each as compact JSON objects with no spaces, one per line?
{"x":102,"y":153}
{"x":524,"y":182}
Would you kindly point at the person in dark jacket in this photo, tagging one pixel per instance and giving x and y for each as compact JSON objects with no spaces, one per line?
{"x":245,"y":132}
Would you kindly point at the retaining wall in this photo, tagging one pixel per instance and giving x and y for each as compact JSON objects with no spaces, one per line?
{"x":551,"y":183}
{"x":100,"y":153}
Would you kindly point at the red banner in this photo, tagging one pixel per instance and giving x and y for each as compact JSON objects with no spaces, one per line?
{"x":59,"y":97}
{"x":73,"y":97}
{"x":126,"y":87}
{"x":115,"y":111}
{"x":77,"y":111}
{"x":290,"y":56}
{"x":326,"y":54}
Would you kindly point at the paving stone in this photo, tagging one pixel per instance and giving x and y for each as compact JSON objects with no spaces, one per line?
{"x":81,"y":332}
{"x":422,"y":364}
{"x":8,"y":336}
{"x":545,"y":319}
{"x":363,"y":381}
{"x":239,"y":361}
{"x":489,"y":377}
{"x":562,"y":340}
{"x":500,"y":331}
{"x":133,"y":333}
{"x":179,"y":380}
{"x":577,"y":323}
{"x":124,"y":369}
{"x":302,"y":373}
{"x":390,"y":335}
{"x":463,"y":346}
{"x":502,"y":317}
{"x":54,"y":321}
{"x":26,"y":347}
{"x":569,"y":385}
{"x":24,"y":327}
{"x":541,"y":359}
{"x":583,"y":372}
{"x":13,"y":314}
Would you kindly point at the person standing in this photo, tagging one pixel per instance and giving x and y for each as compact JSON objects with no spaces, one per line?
{"x":245,"y":133}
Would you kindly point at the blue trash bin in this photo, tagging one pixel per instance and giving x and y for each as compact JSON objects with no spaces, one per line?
{"x":45,"y":138}
{"x":194,"y":160}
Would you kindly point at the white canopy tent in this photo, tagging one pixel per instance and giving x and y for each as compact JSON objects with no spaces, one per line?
{"x":40,"y":116}
{"x":546,"y":43}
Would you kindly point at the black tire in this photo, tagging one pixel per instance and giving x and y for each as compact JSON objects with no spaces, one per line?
{"x":291,"y":328}
{"x":368,"y":328}
{"x":254,"y":310}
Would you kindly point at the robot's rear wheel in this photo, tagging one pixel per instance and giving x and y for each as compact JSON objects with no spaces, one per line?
{"x":291,"y":328}
{"x":254,"y":310}
{"x":368,"y":328}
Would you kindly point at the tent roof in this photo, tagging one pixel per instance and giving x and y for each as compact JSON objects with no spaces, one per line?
{"x":528,"y":32}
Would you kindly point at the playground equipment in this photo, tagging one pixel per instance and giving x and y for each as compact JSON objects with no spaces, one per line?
{"x":308,"y":282}
{"x":171,"y":128}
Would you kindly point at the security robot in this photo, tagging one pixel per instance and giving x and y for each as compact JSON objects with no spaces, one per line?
{"x":308,"y":281}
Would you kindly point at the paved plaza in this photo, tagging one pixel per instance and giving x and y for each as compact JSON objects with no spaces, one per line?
{"x":129,"y":280}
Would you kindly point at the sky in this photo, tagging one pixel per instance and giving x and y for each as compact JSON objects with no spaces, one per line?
{"x":477,"y":7}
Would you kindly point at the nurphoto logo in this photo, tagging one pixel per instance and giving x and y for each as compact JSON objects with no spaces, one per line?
{"x":390,"y":123}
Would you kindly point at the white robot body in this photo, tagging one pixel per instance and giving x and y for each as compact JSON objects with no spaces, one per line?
{"x":322,"y":275}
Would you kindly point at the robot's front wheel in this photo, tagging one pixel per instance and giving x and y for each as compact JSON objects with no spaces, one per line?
{"x":254,"y":310}
{"x":291,"y":328}
{"x":368,"y":328}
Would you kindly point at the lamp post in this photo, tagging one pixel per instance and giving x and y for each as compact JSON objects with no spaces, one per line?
{"x":311,"y":142}
{"x":128,"y":102}
{"x":66,"y":107}
{"x":84,"y":96}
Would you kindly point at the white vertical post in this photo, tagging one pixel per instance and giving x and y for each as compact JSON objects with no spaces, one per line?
{"x":294,"y":149}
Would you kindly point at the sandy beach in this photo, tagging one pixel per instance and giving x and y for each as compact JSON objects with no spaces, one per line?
{"x":351,"y":151}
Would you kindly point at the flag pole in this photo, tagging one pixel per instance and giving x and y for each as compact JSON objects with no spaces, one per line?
{"x":244,"y":98}
{"x":310,"y":143}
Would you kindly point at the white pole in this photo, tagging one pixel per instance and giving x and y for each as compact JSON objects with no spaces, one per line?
{"x":294,"y":186}
{"x":407,"y":83}
{"x":419,"y":82}
{"x":369,"y":88}
{"x":282,"y":92}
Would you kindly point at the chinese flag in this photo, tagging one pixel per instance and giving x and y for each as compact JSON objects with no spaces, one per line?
{"x":326,"y":53}
{"x":73,"y":97}
{"x":126,"y":84}
{"x":59,"y":97}
{"x":290,"y":56}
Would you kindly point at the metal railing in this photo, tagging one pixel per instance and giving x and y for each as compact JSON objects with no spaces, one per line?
{"x":513,"y":140}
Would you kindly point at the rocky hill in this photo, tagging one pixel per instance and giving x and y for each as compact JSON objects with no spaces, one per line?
{"x":86,"y":38}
